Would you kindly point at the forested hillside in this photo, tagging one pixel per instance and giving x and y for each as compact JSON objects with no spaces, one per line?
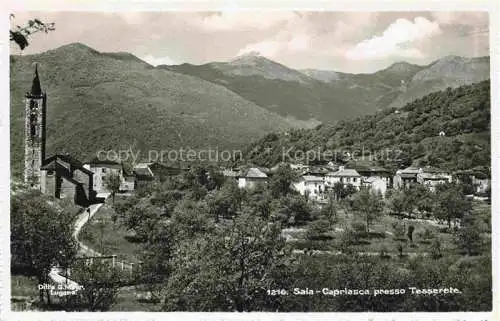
{"x":448,"y":129}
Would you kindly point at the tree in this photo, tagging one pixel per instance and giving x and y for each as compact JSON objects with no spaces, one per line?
{"x":100,"y":283}
{"x":339,"y":190}
{"x":450,"y":203}
{"x":397,"y":203}
{"x":229,"y":270}
{"x":20,"y":34}
{"x":318,"y":230}
{"x":226,"y":202}
{"x":350,"y":190}
{"x":369,"y":204}
{"x":156,"y":262}
{"x":469,"y":236}
{"x":293,"y":210}
{"x":347,"y":238}
{"x":410,"y":231}
{"x":329,"y":211}
{"x":41,"y":236}
{"x":215,"y":178}
{"x":190,"y":220}
{"x":113,"y":183}
{"x":281,"y":182}
{"x":435,"y":248}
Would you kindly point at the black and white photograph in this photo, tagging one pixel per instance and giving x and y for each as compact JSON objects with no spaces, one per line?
{"x":250,"y":161}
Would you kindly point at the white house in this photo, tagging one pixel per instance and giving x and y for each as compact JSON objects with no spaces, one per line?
{"x":376,"y":183}
{"x":344,"y":176}
{"x":428,"y":176}
{"x":404,"y":178}
{"x":252,"y":177}
{"x":431,"y":177}
{"x":480,"y":184}
{"x":311,"y":185}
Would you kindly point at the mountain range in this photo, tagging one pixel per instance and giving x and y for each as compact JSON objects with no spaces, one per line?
{"x":102,"y":101}
{"x":329,"y":96}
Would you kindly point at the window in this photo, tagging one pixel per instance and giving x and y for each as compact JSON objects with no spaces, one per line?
{"x":50,"y":173}
{"x":354,"y":179}
{"x":104,"y":170}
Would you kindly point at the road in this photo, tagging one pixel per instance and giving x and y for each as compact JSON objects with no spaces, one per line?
{"x":82,"y":219}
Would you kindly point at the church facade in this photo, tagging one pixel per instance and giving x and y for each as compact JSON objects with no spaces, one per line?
{"x":60,"y":176}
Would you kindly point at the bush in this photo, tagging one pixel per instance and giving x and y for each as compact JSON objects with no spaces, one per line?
{"x":435,"y":249}
{"x":426,"y":236}
{"x":359,"y":228}
{"x":318,"y":230}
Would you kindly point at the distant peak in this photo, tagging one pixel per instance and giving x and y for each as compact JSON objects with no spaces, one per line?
{"x":77,"y":46}
{"x":401,"y":66}
{"x":251,"y":54}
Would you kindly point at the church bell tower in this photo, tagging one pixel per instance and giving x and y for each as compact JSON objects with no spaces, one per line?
{"x":34,"y":138}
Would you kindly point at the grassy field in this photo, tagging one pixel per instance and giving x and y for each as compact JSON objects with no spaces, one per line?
{"x":108,"y":237}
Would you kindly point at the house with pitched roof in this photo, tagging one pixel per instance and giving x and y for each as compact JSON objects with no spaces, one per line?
{"x":144,"y":176}
{"x":345,"y":176}
{"x":432,"y":176}
{"x":251,"y":177}
{"x":428,"y":176}
{"x":367,"y":171}
{"x":102,"y":169}
{"x":404,"y":178}
{"x":310,"y":185}
{"x":62,"y":176}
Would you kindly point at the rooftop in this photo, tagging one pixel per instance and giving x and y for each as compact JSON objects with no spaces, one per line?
{"x":311,"y":178}
{"x":254,"y":172}
{"x":345,"y":172}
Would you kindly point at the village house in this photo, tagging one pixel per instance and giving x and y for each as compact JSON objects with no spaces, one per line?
{"x":231,"y":174}
{"x":251,"y":177}
{"x":312,"y":186}
{"x":375,"y":183}
{"x":404,"y":178}
{"x":162,"y":171}
{"x":319,"y":171}
{"x":144,"y":177}
{"x":102,"y":170}
{"x":345,"y":176}
{"x":62,"y":176}
{"x":431,"y":177}
{"x":478,"y":177}
{"x":428,"y":176}
{"x":480,"y":183}
{"x":375,"y":171}
{"x":128,"y":182}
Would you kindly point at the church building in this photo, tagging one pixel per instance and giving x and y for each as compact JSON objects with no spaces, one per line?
{"x":60,"y":176}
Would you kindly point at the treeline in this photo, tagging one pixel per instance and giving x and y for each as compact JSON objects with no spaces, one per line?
{"x":397,"y":138}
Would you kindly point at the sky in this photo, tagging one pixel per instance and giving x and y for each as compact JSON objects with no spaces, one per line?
{"x":354,"y":42}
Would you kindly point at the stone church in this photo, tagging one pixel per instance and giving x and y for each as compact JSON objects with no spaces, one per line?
{"x":60,"y":176}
